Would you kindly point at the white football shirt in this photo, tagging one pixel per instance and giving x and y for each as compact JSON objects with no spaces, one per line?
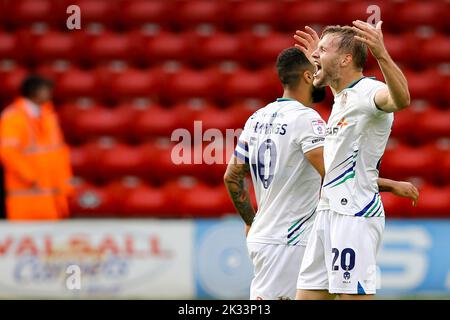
{"x":287,"y":187}
{"x":357,"y":134}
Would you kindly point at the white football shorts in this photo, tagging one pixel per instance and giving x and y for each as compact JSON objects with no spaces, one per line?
{"x":276,"y":270}
{"x":341,"y":254}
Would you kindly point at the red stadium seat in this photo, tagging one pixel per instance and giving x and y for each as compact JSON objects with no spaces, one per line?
{"x":23,"y":13}
{"x":105,"y":159}
{"x":156,"y":121}
{"x":218,"y":156}
{"x":145,"y":200}
{"x":163,"y":165}
{"x":446,"y":96}
{"x":76,"y":83}
{"x":137,"y":13}
{"x":433,"y":124}
{"x":119,"y":160}
{"x":53,"y":70}
{"x":425,"y":85}
{"x":403,"y":162}
{"x":242,"y":110}
{"x":436,"y":49}
{"x":101,"y":121}
{"x":193,"y":13}
{"x":208,"y":201}
{"x":434,"y":202}
{"x":8,"y":46}
{"x":169,"y":46}
{"x":154,"y":159}
{"x":134,"y":83}
{"x":82,"y":159}
{"x":94,"y":201}
{"x":302,"y":13}
{"x":221,"y":46}
{"x":4,"y":13}
{"x":55,"y":45}
{"x":261,"y":84}
{"x":212,"y":159}
{"x":205,"y":161}
{"x":247,"y":14}
{"x":445,"y":168}
{"x":67,"y":114}
{"x":403,"y":122}
{"x":213,"y":117}
{"x":266,"y":47}
{"x":187,"y":112}
{"x":11,"y":78}
{"x":189,"y":83}
{"x":196,"y":199}
{"x":110,"y":46}
{"x":399,"y":47}
{"x":421,"y":13}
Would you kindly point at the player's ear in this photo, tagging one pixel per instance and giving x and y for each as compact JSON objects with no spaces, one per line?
{"x":346,"y":60}
{"x":308,"y":76}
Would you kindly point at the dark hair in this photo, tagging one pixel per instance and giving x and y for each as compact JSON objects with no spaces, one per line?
{"x":291,"y":62}
{"x":32,"y":84}
{"x":349,"y":44}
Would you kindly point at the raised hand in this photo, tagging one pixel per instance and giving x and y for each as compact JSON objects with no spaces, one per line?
{"x":307,"y":41}
{"x":372,"y":37}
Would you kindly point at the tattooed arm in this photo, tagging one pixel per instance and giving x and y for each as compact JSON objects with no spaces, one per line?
{"x":237,"y":187}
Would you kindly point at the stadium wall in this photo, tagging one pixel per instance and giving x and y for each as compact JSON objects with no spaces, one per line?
{"x":186,"y":259}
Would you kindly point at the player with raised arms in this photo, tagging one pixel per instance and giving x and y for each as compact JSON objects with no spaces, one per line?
{"x":281,"y":146}
{"x":340,"y":258}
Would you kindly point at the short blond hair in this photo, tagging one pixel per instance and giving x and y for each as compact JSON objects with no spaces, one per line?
{"x":349,"y":44}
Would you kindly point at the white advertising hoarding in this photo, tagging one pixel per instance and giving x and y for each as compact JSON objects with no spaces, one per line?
{"x":97,"y":258}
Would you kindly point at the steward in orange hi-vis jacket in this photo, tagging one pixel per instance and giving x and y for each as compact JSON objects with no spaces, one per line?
{"x":34,"y":156}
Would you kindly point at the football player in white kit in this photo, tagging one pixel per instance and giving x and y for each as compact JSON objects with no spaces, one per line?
{"x":282,"y":147}
{"x":340,"y":257}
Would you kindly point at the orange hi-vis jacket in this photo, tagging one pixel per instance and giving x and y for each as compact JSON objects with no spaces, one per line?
{"x":36,"y":163}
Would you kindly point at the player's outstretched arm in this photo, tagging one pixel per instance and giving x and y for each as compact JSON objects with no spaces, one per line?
{"x":399,"y":188}
{"x":234,"y":180}
{"x":396,"y":97}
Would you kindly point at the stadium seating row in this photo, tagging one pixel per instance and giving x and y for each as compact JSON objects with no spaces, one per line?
{"x":135,"y":122}
{"x":154,"y":160}
{"x":186,"y":197}
{"x":180,"y":198}
{"x":232,"y":14}
{"x":157,"y":160}
{"x":170,"y":85}
{"x":196,"y":47}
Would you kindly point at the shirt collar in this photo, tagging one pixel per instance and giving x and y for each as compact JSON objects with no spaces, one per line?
{"x":285,"y":99}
